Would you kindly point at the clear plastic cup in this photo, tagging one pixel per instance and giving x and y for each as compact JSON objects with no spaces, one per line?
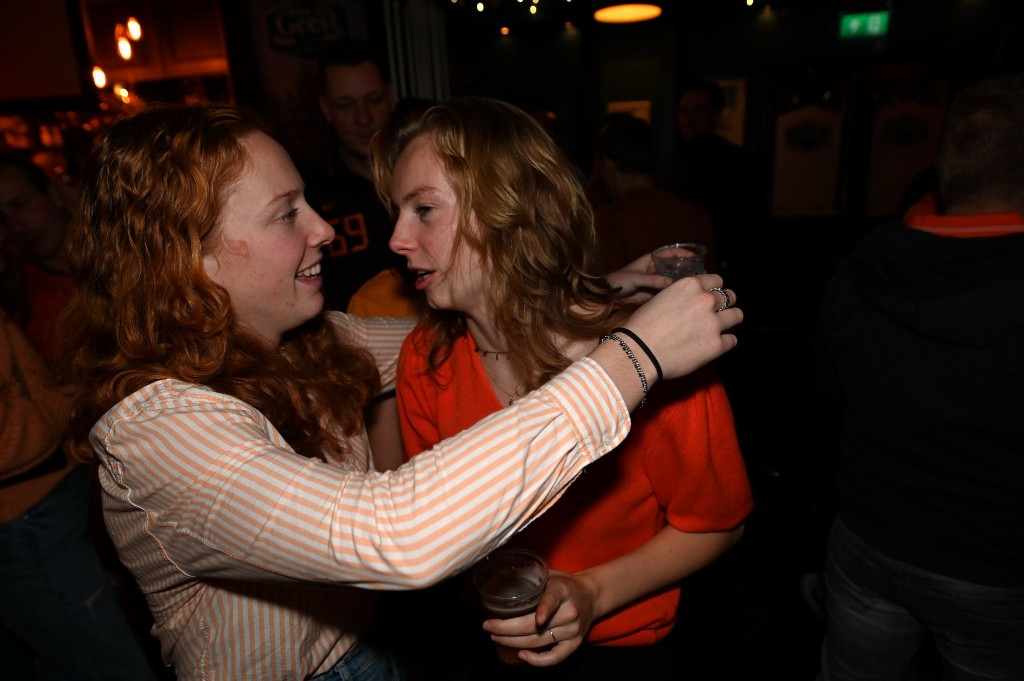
{"x":510,"y":583}
{"x":680,"y":260}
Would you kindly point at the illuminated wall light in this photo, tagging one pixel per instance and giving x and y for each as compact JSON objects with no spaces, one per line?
{"x":533,"y":9}
{"x":479,"y":7}
{"x":750,"y":3}
{"x":504,"y":30}
{"x":626,"y":13}
{"x":134,"y":28}
{"x":124,"y":48}
{"x":99,"y":77}
{"x":767,"y":15}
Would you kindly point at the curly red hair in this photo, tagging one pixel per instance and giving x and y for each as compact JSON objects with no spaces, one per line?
{"x":145,"y":309}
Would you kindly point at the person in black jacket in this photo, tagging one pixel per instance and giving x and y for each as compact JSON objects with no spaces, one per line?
{"x":921,"y":333}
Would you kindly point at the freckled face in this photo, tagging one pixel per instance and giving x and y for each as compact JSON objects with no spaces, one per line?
{"x":425,"y":232}
{"x":265,"y":249}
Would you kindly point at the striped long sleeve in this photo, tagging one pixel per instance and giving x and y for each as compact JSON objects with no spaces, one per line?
{"x":240,"y":544}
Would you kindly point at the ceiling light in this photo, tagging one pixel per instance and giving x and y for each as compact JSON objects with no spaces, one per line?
{"x":626,"y":13}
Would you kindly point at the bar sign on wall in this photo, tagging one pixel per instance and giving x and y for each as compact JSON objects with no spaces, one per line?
{"x":864,"y":24}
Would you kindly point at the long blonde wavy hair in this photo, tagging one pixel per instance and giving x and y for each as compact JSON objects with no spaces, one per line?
{"x":536,"y":229}
{"x":145,"y":309}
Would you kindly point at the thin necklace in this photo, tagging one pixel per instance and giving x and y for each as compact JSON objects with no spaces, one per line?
{"x":496,"y":353}
{"x":512,"y":397}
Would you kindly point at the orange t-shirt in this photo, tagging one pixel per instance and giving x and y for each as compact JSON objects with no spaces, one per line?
{"x":49,"y":294}
{"x":385,"y":295}
{"x":680,"y":465}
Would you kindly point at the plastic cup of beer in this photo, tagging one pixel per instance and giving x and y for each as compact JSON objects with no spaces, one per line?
{"x":510,"y":583}
{"x":680,"y":260}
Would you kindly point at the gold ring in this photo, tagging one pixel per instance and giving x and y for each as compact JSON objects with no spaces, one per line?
{"x":551,"y":631}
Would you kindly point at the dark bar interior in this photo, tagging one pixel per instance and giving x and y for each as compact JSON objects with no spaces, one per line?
{"x":837,"y":105}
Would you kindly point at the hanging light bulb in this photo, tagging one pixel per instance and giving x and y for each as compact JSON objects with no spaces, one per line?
{"x":134,"y":28}
{"x":124,"y":48}
{"x":99,"y":77}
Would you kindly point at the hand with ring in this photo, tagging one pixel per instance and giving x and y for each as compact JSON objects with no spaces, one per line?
{"x":637,"y":282}
{"x":726,"y":298}
{"x":557,"y":628}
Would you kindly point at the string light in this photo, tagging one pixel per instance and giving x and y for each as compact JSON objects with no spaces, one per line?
{"x":482,"y":6}
{"x":134,"y":28}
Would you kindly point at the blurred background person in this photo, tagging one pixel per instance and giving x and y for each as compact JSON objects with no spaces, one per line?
{"x":34,"y":215}
{"x":640,"y":216}
{"x":60,"y":611}
{"x":719,"y":176}
{"x":920,"y":335}
{"x":356,"y":100}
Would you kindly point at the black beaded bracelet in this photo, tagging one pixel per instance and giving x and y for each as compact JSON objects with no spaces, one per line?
{"x":636,"y":364}
{"x":643,"y":346}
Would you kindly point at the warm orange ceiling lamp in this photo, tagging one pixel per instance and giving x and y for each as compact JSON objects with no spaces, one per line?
{"x":626,"y":13}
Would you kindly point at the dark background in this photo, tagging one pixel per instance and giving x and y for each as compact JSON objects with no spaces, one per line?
{"x":745,"y":617}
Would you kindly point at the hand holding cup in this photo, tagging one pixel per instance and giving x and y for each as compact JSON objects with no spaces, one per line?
{"x":510,"y":583}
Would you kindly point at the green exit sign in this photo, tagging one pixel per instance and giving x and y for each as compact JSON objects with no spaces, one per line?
{"x":864,"y":24}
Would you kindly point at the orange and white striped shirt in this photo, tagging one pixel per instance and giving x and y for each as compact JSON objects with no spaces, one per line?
{"x":247,"y":552}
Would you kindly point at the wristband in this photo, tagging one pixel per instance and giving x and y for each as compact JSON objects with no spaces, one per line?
{"x":634,"y":360}
{"x":643,"y":346}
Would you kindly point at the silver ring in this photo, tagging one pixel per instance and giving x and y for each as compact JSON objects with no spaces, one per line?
{"x":551,"y":631}
{"x":726,"y":300}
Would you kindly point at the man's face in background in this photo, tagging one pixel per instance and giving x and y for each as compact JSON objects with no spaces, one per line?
{"x":356,"y":103}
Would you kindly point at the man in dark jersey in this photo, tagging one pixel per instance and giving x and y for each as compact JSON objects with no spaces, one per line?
{"x":356,"y":100}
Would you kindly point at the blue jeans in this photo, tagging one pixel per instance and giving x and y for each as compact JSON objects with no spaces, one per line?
{"x":365,"y":662}
{"x":57,"y":603}
{"x":880,"y":611}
